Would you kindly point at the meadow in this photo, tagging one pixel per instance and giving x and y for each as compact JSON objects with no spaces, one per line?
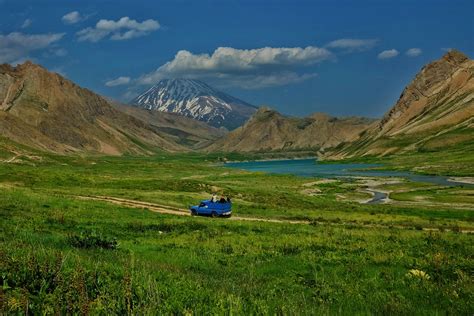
{"x":63,"y":254}
{"x":453,"y":160}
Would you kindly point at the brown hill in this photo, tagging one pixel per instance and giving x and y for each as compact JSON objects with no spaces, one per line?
{"x":174,"y":127}
{"x":46,"y":111}
{"x":268,"y":130}
{"x":434,"y":112}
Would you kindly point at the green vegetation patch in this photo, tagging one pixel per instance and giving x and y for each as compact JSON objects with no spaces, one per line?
{"x":63,"y":255}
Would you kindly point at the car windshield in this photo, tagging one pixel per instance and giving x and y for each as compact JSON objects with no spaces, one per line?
{"x":202,"y":204}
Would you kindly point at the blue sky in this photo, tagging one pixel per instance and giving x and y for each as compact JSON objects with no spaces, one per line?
{"x":340,"y":57}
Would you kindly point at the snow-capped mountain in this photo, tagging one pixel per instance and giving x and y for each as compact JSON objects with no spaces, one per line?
{"x":195,"y":99}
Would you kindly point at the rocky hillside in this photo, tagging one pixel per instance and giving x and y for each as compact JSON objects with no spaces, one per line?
{"x":174,"y":127}
{"x":197,"y":100}
{"x":268,"y":130}
{"x":48,"y":112}
{"x":434,"y":112}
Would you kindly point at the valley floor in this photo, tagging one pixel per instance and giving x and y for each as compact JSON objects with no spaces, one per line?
{"x":312,"y":247}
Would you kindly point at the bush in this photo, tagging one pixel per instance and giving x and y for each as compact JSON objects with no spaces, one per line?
{"x":92,"y":240}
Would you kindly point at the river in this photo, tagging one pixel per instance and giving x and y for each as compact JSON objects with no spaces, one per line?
{"x":311,"y":168}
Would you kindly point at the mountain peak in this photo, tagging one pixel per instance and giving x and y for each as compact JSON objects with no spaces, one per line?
{"x":4,"y":68}
{"x":30,"y":66}
{"x":433,"y":112}
{"x":34,"y":72}
{"x":41,"y":109}
{"x":265,"y":113}
{"x":181,"y":81}
{"x":320,"y":116}
{"x":455,"y":56}
{"x":269,"y":130}
{"x":196,"y":99}
{"x":28,"y":63}
{"x":426,"y":85}
{"x":264,"y":109}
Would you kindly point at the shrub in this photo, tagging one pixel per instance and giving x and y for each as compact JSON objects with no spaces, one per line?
{"x":456,"y":229}
{"x":92,"y":240}
{"x":290,"y":250}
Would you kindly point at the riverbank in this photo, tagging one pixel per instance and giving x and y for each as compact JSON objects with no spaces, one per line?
{"x":310,"y":167}
{"x":272,"y":159}
{"x":458,"y":162}
{"x":466,"y":180}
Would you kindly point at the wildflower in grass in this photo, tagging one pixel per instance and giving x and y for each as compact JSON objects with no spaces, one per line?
{"x":415,"y":273}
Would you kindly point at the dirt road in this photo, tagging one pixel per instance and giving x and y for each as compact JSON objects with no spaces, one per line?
{"x":177,"y":211}
{"x":164,"y":209}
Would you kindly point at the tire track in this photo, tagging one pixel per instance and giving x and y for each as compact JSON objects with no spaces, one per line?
{"x":164,"y":209}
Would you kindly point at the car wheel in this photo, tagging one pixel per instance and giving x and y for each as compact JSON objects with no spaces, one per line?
{"x":193,"y":213}
{"x":214,"y":214}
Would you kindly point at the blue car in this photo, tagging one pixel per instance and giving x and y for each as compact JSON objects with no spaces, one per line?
{"x":213,"y":209}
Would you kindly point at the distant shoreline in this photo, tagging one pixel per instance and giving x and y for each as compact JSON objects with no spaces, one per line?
{"x":270,"y":159}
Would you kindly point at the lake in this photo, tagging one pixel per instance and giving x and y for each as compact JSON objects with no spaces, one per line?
{"x":311,"y":168}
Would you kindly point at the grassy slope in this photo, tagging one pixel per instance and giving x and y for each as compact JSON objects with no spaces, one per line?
{"x":455,"y":160}
{"x":449,"y":153}
{"x":178,"y":265}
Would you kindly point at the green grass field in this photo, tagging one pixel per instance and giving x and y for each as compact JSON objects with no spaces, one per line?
{"x":453,"y":160}
{"x":61,"y":254}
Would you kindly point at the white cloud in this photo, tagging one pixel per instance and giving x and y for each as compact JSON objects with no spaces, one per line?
{"x":26,"y":23}
{"x":262,"y":81}
{"x":130,"y":94}
{"x":72,"y":17}
{"x":413,"y":52}
{"x":118,"y":82}
{"x":16,"y":46}
{"x":60,"y":52}
{"x":264,"y":66}
{"x":123,"y":29}
{"x":386,"y":54}
{"x":352,"y":44}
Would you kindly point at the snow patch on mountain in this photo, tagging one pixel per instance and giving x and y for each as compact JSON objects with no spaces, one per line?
{"x":195,"y":99}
